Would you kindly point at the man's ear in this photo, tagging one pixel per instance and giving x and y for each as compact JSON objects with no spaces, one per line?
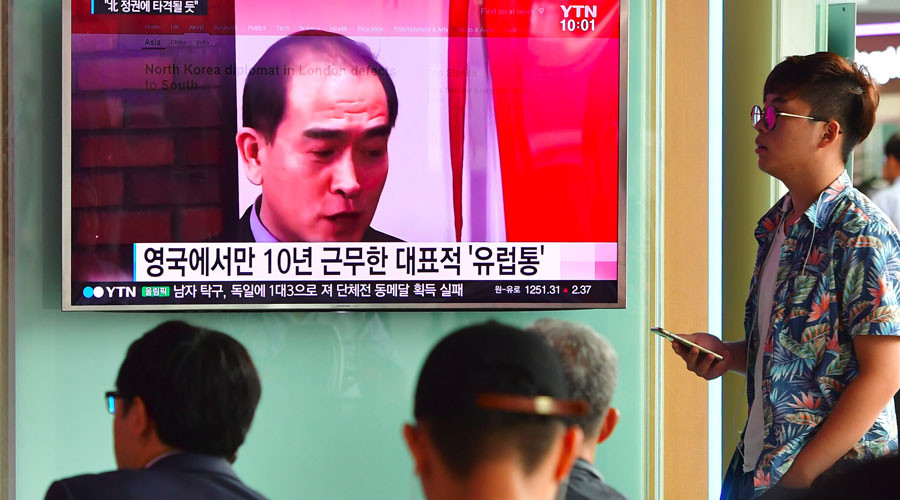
{"x":609,"y":423}
{"x":830,"y":134}
{"x":138,"y":420}
{"x":571,"y":445}
{"x":251,"y":144}
{"x":415,"y":441}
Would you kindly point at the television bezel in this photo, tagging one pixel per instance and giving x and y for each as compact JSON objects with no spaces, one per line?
{"x":621,"y":230}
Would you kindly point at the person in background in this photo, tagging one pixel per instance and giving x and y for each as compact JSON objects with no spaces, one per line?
{"x":590,"y":365}
{"x":184,"y":400}
{"x":877,"y":479}
{"x":821,"y":348}
{"x":888,"y":199}
{"x":492,"y":410}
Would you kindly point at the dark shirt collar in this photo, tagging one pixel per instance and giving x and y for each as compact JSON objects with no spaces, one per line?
{"x":586,"y":466}
{"x":200,"y":462}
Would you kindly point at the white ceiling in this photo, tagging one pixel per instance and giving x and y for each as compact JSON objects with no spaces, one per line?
{"x":874,"y":5}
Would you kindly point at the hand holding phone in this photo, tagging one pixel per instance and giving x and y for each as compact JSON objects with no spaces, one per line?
{"x":671,"y":337}
{"x":706,"y":366}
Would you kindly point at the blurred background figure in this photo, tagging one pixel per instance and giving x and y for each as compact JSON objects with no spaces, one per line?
{"x":873,"y":480}
{"x":888,"y":199}
{"x":590,"y":366}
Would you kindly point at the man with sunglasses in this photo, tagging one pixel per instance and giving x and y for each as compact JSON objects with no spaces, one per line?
{"x":184,"y":400}
{"x":493,"y":417}
{"x":821,"y":349}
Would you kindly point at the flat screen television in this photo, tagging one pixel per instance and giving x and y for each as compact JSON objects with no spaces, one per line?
{"x":350,"y":154}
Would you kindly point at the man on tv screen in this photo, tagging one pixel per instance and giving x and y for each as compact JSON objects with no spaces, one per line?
{"x":318,"y":110}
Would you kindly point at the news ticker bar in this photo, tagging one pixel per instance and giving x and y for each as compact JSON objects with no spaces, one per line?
{"x":253,"y":293}
{"x":202,"y":262}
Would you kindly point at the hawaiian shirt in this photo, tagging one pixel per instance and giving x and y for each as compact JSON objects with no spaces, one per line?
{"x":838,"y":277}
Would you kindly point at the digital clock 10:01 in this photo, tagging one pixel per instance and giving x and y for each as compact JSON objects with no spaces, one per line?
{"x":577,"y":25}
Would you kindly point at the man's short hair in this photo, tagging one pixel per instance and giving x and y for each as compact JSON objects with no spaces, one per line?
{"x":835,"y":88}
{"x":892,"y":146}
{"x":199,"y":386}
{"x":265,"y":90}
{"x":466,"y":369}
{"x":590,"y":364}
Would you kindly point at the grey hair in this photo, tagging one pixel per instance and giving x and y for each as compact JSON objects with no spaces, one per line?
{"x":590,"y":364}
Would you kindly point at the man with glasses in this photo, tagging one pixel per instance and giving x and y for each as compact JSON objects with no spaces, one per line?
{"x":821,"y":348}
{"x":492,"y":417}
{"x":184,"y":400}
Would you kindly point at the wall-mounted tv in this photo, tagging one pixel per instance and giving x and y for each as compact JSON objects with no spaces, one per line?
{"x":350,"y":154}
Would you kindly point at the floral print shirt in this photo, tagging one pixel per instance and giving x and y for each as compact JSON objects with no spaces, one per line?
{"x":838,"y":277}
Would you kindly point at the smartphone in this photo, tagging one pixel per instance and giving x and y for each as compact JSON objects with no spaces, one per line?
{"x":666,"y":334}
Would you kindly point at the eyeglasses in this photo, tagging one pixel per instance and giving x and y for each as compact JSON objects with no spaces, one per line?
{"x":769,"y":115}
{"x":111,"y":397}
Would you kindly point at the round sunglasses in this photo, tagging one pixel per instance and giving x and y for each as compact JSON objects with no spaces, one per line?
{"x":769,"y":115}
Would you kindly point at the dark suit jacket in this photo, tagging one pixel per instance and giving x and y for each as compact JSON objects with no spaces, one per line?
{"x":585,"y":483}
{"x":175,"y":477}
{"x":245,"y":234}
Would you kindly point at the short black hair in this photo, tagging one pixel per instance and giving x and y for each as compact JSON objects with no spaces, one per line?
{"x":892,"y":146}
{"x":199,"y":386}
{"x":265,"y":90}
{"x":489,"y":358}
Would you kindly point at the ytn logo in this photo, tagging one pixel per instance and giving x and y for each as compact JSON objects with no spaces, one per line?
{"x":581,"y":11}
{"x":109,"y":291}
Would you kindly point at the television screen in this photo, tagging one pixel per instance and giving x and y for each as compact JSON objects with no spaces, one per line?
{"x":348,"y":154}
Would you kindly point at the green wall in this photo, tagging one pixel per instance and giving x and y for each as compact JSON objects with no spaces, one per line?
{"x":747,"y":192}
{"x":336,"y":386}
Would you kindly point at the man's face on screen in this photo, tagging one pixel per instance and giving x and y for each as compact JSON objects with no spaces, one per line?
{"x":323,"y":173}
